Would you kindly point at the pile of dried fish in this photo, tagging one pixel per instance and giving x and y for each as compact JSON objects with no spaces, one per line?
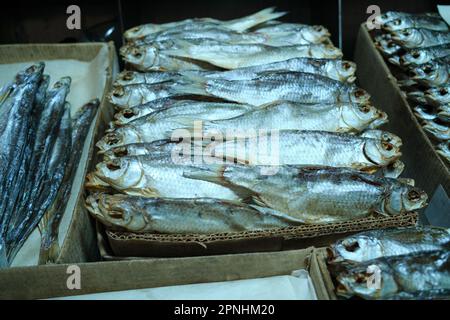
{"x":418,"y":46}
{"x":279,"y":136}
{"x":40,"y":149}
{"x":399,"y":263}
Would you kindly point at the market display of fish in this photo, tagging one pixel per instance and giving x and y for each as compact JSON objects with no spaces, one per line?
{"x":246,"y":125}
{"x":419,"y":45}
{"x":183,"y":216}
{"x":418,"y":275}
{"x":375,"y":244}
{"x":37,"y":132}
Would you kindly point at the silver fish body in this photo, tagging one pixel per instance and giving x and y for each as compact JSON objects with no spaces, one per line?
{"x":316,"y":195}
{"x":140,"y":149}
{"x":233,"y":56}
{"x":317,"y":148}
{"x":239,"y":25}
{"x":374,"y":244}
{"x":285,"y":115}
{"x":131,"y":77}
{"x":155,"y":176}
{"x":282,"y":85}
{"x":420,"y":22}
{"x":420,"y":56}
{"x":183,"y":216}
{"x":418,"y":38}
{"x":444,"y":150}
{"x":424,"y":112}
{"x":438,"y":96}
{"x":412,"y":276}
{"x":189,"y":108}
{"x":392,"y":15}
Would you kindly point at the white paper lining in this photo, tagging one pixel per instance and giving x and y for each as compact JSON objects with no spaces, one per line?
{"x":297,"y":286}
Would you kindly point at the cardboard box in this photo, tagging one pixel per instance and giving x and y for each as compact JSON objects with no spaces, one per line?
{"x":422,"y":163}
{"x":320,"y":256}
{"x":51,"y":280}
{"x":92,"y":67}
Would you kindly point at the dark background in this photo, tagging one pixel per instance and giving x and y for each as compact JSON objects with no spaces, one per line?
{"x":45,"y":21}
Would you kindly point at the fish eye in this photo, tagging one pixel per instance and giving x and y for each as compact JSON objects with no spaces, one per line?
{"x":359,"y":93}
{"x":128,"y":76}
{"x":346,"y":65}
{"x":118,"y":92}
{"x":120,"y":152}
{"x":364,"y":108}
{"x":415,"y":54}
{"x":397,"y":22}
{"x":318,"y":28}
{"x":384,"y":16}
{"x":413,"y":195}
{"x":135,"y":29}
{"x":387,"y":146}
{"x":443,"y":92}
{"x":352,"y":246}
{"x":115,"y":214}
{"x":360,"y":278}
{"x":137,"y":53}
{"x":128,"y":113}
{"x":390,"y":44}
{"x":427,"y":69}
{"x":112,"y":166}
{"x":112,"y":139}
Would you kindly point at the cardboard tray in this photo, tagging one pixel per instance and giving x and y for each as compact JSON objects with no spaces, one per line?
{"x":51,"y":281}
{"x":118,"y":245}
{"x":92,"y":67}
{"x":421,"y":160}
{"x":320,"y":256}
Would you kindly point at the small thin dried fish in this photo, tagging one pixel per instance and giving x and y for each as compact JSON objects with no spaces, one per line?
{"x":437,"y":131}
{"x":183,"y":216}
{"x":418,"y":38}
{"x":419,"y":22}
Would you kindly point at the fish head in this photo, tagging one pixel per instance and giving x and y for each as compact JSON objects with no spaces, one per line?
{"x":388,"y":47}
{"x":127,"y":77}
{"x":140,"y":31}
{"x":403,"y":198}
{"x":385,"y":17}
{"x":416,"y":57}
{"x":430,"y":72}
{"x":114,"y":211}
{"x":396,"y":24}
{"x":325,"y":51}
{"x":116,"y":152}
{"x":437,"y":95}
{"x":380,"y":119}
{"x":145,"y":55}
{"x":315,"y":34}
{"x":356,"y":279}
{"x":358,"y":95}
{"x":121,"y":173}
{"x":118,"y":137}
{"x":408,"y":37}
{"x":126,"y":115}
{"x":439,"y":131}
{"x":357,"y":248}
{"x":445,"y":147}
{"x":381,"y":153}
{"x":358,"y":116}
{"x":344,"y":70}
{"x":383,"y":136}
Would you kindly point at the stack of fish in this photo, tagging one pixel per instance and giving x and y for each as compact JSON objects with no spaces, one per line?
{"x":399,"y":263}
{"x":320,"y":157}
{"x":419,"y":45}
{"x":40,"y":148}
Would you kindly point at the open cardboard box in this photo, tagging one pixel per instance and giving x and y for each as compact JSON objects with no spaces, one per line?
{"x":92,"y":67}
{"x":422,"y":163}
{"x":51,"y":280}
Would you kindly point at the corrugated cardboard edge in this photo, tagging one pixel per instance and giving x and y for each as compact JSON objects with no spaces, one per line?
{"x":421,"y":160}
{"x":79,"y":243}
{"x":320,"y":256}
{"x":120,"y":244}
{"x":47,"y":281}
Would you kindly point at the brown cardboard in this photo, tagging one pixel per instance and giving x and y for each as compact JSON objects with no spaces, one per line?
{"x":79,"y":241}
{"x":121,"y":244}
{"x":320,"y":255}
{"x":422,"y":163}
{"x":50,"y":281}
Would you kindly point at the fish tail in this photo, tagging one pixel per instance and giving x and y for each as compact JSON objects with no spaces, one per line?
{"x":255,"y":19}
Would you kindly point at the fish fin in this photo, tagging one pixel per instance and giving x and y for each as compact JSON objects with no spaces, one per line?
{"x":193,"y":87}
{"x":212,"y":173}
{"x":244,"y":23}
{"x":42,"y":225}
{"x":259,"y":201}
{"x":279,"y":214}
{"x":182,"y":49}
{"x":49,"y":254}
{"x":148,"y":192}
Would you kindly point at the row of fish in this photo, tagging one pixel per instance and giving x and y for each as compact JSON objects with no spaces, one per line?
{"x":40,"y":147}
{"x":397,"y":263}
{"x":272,"y":141}
{"x":419,"y":48}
